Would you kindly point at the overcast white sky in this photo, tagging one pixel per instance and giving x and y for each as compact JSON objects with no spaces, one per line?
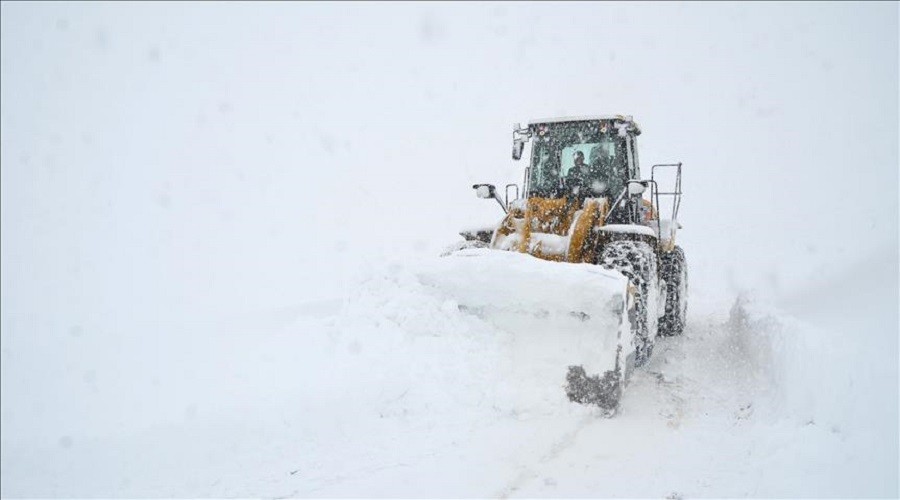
{"x":174,"y":163}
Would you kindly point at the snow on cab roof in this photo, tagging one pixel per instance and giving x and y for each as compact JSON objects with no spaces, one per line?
{"x":625,"y":118}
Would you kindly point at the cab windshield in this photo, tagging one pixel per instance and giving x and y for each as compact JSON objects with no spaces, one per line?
{"x":586,"y":159}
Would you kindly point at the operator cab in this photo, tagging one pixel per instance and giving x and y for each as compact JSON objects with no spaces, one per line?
{"x":580,"y":157}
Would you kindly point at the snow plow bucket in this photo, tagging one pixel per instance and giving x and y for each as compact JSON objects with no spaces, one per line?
{"x":564,"y":314}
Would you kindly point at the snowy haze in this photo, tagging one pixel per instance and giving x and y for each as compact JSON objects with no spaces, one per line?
{"x":199,"y":199}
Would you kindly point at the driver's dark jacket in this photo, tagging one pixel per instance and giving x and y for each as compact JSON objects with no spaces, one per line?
{"x":578,"y":177}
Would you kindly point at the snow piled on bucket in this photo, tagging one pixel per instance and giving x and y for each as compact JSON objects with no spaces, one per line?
{"x":572,"y":314}
{"x":481,"y":329}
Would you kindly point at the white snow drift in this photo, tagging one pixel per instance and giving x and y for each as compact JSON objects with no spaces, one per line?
{"x":396,"y":390}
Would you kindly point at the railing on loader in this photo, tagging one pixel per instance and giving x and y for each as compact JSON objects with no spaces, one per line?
{"x":675,"y":193}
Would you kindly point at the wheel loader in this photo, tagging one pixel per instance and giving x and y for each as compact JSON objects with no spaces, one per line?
{"x":590,"y":212}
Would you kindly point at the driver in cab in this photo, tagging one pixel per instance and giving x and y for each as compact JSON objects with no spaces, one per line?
{"x":577,"y":178}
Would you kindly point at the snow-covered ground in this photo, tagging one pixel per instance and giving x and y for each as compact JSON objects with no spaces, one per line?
{"x":390,"y":392}
{"x":219,"y":223}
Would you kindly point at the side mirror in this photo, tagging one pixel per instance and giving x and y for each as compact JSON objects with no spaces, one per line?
{"x":488,"y":191}
{"x":518,"y":146}
{"x":636,"y":187}
{"x":485,"y":190}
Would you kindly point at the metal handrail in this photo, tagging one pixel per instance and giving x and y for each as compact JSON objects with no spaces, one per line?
{"x":677,"y":193}
{"x":612,"y":208}
{"x":654,"y":188}
{"x":506,"y":193}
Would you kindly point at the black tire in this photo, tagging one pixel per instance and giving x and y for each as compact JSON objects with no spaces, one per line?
{"x":673,"y":269}
{"x":637,"y":261}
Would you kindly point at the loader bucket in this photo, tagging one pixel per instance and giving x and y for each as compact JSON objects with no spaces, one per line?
{"x":577,"y":313}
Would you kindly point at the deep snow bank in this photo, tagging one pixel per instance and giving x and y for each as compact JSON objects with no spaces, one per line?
{"x":794,"y":406}
{"x":393,"y":390}
{"x":407,"y":328}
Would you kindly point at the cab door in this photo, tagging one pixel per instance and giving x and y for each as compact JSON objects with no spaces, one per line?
{"x":634,"y":170}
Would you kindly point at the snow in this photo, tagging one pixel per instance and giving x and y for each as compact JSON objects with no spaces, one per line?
{"x":549,"y":243}
{"x":629,"y":228}
{"x":474,"y":229}
{"x":210,"y":287}
{"x":518,"y":204}
{"x":558,"y":311}
{"x":621,"y":127}
{"x":393,"y":382}
{"x":667,"y":228}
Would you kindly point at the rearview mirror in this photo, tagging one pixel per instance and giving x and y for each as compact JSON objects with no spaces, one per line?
{"x":484,"y":190}
{"x":636,"y":188}
{"x":518,"y":146}
{"x":488,"y":191}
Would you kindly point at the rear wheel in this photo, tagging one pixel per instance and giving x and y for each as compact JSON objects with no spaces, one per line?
{"x":673,"y":269}
{"x":637,"y":261}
